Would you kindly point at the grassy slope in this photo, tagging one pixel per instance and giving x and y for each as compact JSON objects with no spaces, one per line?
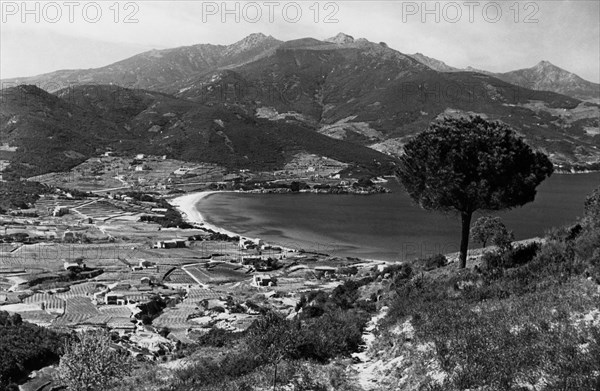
{"x":499,"y":328}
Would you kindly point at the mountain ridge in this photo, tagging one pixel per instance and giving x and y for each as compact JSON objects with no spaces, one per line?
{"x":544,"y":76}
{"x":348,"y":90}
{"x":185,"y":62}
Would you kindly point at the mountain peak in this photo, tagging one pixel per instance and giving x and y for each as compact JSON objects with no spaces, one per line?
{"x":545,"y":64}
{"x":341,"y":38}
{"x":433,"y":63}
{"x":251,"y":42}
{"x":253,"y":38}
{"x":256,"y":36}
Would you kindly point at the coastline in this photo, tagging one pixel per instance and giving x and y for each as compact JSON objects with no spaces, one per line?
{"x":186,"y":205}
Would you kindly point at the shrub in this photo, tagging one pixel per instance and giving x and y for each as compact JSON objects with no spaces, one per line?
{"x":433,"y":262}
{"x":591,"y":209}
{"x":522,"y":254}
{"x":217,"y":337}
{"x":336,"y":333}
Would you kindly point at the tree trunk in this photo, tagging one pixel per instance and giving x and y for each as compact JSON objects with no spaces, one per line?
{"x":464,"y":239}
{"x":275,"y":378}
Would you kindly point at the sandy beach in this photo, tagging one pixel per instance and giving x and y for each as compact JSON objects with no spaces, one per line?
{"x":187,"y":207}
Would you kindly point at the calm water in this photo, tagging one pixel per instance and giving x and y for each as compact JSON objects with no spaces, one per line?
{"x":383,"y":226}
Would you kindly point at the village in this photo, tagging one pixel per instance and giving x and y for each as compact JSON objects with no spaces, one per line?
{"x":106,"y":250}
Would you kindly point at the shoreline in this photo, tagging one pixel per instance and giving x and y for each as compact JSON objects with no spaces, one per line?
{"x":186,"y":205}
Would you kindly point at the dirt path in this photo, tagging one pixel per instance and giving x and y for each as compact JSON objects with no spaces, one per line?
{"x":365,"y":371}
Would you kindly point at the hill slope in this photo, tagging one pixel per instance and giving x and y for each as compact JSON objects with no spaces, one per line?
{"x":548,"y":77}
{"x":56,"y":132}
{"x":158,"y":70}
{"x":544,"y":76}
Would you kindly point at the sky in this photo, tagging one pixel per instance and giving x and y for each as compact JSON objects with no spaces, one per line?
{"x":498,"y":36}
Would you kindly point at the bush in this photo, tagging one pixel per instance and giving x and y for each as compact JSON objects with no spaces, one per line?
{"x":91,"y":364}
{"x":433,"y":262}
{"x":523,"y":254}
{"x":334,"y":334}
{"x":591,"y":209}
{"x":218,"y":338}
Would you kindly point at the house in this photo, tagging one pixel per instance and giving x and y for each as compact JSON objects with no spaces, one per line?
{"x":262,"y":280}
{"x":145,"y":264}
{"x":74,"y":265}
{"x":139,"y":167}
{"x":181,"y":171}
{"x":231,"y":177}
{"x":173,"y":243}
{"x":115,"y":299}
{"x":121,"y":325}
{"x":326,"y":270}
{"x":145,"y":281}
{"x":60,"y":211}
{"x":139,"y":156}
{"x":69,"y":236}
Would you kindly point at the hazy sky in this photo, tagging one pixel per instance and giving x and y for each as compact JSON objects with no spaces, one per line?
{"x":495,"y":36}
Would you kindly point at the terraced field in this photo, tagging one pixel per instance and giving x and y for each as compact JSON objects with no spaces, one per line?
{"x":115,"y":310}
{"x":179,"y":276}
{"x":84,"y":290}
{"x":48,"y":302}
{"x":78,"y":309}
{"x":177,"y":318}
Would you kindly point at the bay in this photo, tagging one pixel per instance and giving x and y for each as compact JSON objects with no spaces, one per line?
{"x":383,"y":226}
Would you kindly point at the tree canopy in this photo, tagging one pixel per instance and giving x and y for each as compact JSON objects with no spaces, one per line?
{"x":489,"y":229}
{"x":469,"y":164}
{"x":24,"y":347}
{"x":91,"y":364}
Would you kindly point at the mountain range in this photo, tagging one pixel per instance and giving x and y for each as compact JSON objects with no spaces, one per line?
{"x":257,"y":102}
{"x":544,"y":76}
